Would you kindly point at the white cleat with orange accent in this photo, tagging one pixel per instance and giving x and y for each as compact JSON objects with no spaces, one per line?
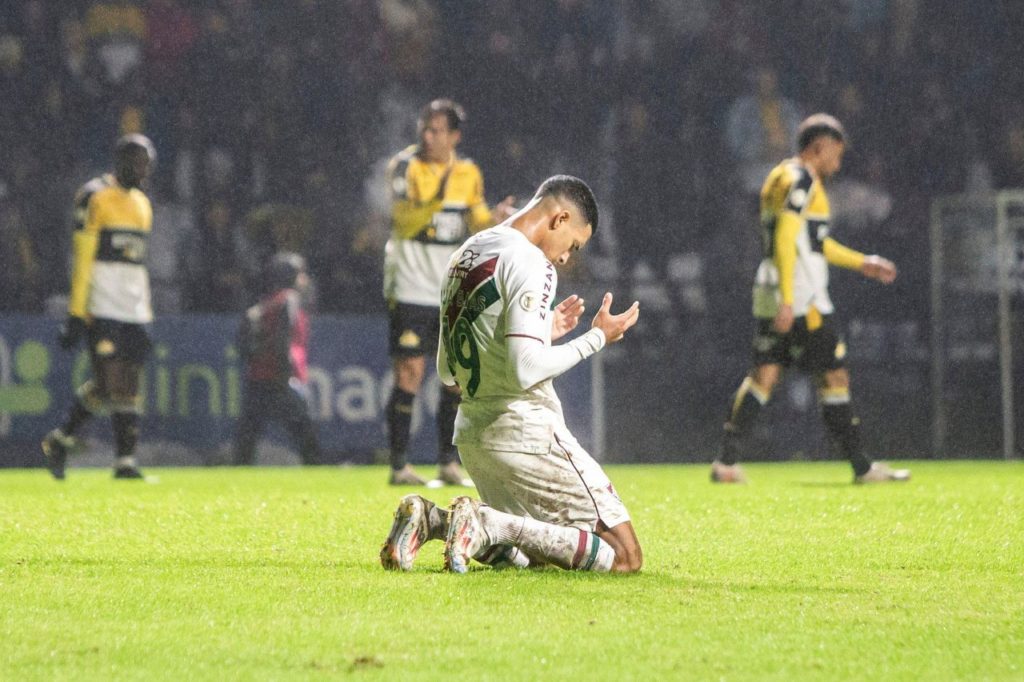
{"x":409,"y":531}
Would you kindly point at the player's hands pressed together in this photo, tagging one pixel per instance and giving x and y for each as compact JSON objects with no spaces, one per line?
{"x":783,"y":321}
{"x":567,"y":316}
{"x":615,"y":326}
{"x":878,"y":268}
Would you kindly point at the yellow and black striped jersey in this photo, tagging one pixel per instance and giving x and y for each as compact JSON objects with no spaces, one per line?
{"x":109,"y":279}
{"x":434,"y":208}
{"x":797,"y":248}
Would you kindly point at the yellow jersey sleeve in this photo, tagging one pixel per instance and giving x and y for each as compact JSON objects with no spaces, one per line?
{"x":84,"y":243}
{"x":841,"y":256}
{"x":786,"y":230}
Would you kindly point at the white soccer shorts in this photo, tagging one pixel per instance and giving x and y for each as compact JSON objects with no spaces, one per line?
{"x":564,"y":486}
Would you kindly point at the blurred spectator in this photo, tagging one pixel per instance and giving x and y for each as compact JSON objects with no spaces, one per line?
{"x":116,"y":30}
{"x":286,"y":105}
{"x":759,"y":128}
{"x":229,"y":263}
{"x":19,"y":267}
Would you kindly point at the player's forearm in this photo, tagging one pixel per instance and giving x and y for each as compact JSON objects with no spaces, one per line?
{"x":532,"y":362}
{"x":842,"y":256}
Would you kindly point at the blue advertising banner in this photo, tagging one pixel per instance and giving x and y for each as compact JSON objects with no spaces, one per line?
{"x":192,"y":387}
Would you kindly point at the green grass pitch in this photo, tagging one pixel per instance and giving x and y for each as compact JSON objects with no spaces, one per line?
{"x":224,"y":574}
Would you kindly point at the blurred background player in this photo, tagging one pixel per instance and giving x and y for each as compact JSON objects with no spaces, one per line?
{"x":109,"y":304}
{"x":545,"y":499}
{"x":273,"y":342}
{"x":437,"y":201}
{"x":792,"y":304}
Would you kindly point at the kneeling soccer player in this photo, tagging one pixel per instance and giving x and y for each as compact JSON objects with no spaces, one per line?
{"x":544,"y":499}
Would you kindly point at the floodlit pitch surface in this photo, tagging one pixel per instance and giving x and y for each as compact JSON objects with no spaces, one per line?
{"x":272,"y":574}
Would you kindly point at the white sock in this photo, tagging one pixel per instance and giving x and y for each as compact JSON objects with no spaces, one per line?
{"x":563,"y":546}
{"x":124,"y":462}
{"x":503,"y":556}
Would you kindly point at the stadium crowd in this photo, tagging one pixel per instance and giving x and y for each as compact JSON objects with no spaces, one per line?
{"x":270,"y":117}
{"x":273,"y":122}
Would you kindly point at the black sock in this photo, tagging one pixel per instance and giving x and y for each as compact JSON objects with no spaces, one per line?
{"x":447,"y":407}
{"x":76,"y":417}
{"x":399,"y":424}
{"x":844,"y":427}
{"x":126,"y":432}
{"x":745,"y":408}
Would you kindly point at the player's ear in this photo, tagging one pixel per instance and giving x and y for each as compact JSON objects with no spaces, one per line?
{"x":560,"y":219}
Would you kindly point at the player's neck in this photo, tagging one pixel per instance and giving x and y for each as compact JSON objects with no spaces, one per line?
{"x":810,"y":163}
{"x":530,"y":220}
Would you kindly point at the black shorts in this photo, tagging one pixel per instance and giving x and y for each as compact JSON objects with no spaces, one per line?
{"x":113,"y":340}
{"x":413,"y":330}
{"x":815,"y":351}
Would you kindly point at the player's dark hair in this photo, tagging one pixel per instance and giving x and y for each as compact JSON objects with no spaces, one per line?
{"x":448,"y":108}
{"x":818,"y":125}
{"x":576,"y":191}
{"x":284,"y":268}
{"x":134,"y":141}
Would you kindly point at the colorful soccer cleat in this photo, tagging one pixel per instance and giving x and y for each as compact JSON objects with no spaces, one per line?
{"x":466,"y":535}
{"x":409,"y":531}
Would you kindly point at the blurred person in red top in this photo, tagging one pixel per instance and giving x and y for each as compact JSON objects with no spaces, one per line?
{"x":273,"y":342}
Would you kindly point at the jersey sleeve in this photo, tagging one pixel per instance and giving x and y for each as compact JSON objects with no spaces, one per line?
{"x":784,"y":249}
{"x":530,"y":306}
{"x":529,"y":292}
{"x":841,"y":256}
{"x":787,"y":227}
{"x":84,"y":243}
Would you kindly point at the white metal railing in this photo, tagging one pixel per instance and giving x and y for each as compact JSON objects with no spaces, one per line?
{"x":1004,"y":214}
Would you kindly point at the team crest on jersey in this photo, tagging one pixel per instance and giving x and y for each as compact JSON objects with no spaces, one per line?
{"x":529,"y":301}
{"x":409,"y":339}
{"x":840,"y":350}
{"x":105,"y":347}
{"x":798,"y":197}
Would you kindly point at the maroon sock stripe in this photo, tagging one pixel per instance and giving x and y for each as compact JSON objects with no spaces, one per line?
{"x":581,"y":550}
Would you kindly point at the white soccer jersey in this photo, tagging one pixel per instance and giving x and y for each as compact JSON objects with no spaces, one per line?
{"x":498,"y":286}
